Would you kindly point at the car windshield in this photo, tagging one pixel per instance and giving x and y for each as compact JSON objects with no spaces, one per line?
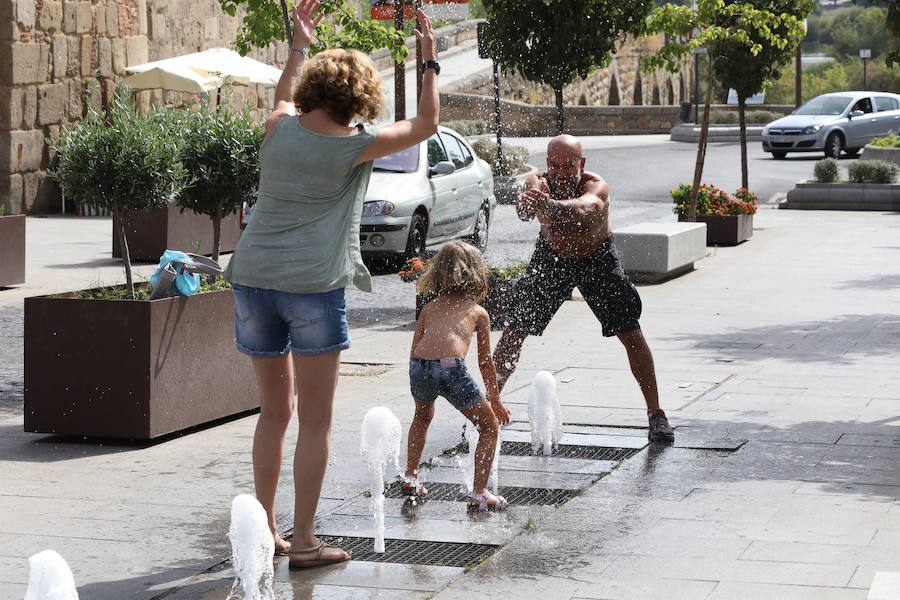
{"x":825,"y":105}
{"x":404,"y":161}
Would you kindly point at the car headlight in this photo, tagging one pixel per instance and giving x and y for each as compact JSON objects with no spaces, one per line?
{"x":812,"y":128}
{"x":379,"y":207}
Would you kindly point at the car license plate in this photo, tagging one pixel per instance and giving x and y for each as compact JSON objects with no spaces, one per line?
{"x":781,"y":138}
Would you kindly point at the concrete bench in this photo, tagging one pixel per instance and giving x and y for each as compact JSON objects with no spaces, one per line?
{"x":653,"y":252}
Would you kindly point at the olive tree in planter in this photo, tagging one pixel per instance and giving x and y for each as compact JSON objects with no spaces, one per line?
{"x":220,"y":150}
{"x":120,"y":161}
{"x":100,"y":366}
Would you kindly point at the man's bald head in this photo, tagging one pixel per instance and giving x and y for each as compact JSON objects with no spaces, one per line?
{"x":564,"y":145}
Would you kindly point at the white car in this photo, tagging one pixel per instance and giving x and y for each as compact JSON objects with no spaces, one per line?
{"x":834,"y":123}
{"x":433,"y":192}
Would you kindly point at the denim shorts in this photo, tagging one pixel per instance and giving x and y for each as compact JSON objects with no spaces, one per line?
{"x":269,"y":323}
{"x":447,"y":377}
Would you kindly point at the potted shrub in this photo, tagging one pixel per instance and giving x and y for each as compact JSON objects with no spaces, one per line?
{"x":870,"y":185}
{"x":499,"y":281}
{"x":507,"y":176}
{"x":729,"y":221}
{"x":221,"y":153}
{"x":122,"y":366}
{"x":886,"y":149}
{"x":12,"y":249}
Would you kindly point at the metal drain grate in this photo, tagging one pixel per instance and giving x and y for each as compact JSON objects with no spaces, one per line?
{"x":571,"y":451}
{"x":515,"y":495}
{"x":413,"y":552}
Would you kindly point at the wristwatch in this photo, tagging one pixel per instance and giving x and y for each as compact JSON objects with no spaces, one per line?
{"x":432,"y":64}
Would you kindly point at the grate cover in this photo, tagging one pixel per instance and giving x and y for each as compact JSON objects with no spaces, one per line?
{"x":570,"y":451}
{"x":413,"y":552}
{"x":515,"y":495}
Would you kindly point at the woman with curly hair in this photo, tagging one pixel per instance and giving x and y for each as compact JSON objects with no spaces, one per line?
{"x":301,"y":249}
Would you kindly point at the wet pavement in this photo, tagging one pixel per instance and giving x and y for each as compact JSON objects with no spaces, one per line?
{"x":777,"y":363}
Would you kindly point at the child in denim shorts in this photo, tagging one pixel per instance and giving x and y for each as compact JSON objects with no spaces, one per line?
{"x":437,"y":367}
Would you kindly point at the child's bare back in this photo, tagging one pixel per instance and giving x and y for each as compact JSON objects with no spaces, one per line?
{"x":446,"y":325}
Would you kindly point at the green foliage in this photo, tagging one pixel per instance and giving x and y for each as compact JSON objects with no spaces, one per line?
{"x":891,"y":141}
{"x":554,"y":41}
{"x":514,"y":157}
{"x":264,"y":21}
{"x":713,"y":201}
{"x":467,"y":127}
{"x":892,"y":27}
{"x":872,"y":171}
{"x":142,"y":290}
{"x":121,"y":160}
{"x":220,"y":150}
{"x":860,"y":28}
{"x":826,"y":170}
{"x":746,"y":68}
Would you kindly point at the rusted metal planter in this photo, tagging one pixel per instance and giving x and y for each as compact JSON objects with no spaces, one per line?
{"x":12,"y":250}
{"x":494,"y":302}
{"x":152,"y":232}
{"x":132,"y":369}
{"x":729,"y":230}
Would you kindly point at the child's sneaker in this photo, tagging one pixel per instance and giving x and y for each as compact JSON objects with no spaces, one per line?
{"x":660,"y":430}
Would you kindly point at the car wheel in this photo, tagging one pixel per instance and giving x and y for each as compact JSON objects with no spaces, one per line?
{"x":415,"y":243}
{"x":479,"y":237}
{"x":834,"y":145}
{"x":779,"y":155}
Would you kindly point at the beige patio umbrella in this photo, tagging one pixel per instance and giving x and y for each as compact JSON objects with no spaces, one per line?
{"x":201,"y":72}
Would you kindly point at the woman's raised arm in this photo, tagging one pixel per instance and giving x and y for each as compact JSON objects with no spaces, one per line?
{"x":409,"y":132}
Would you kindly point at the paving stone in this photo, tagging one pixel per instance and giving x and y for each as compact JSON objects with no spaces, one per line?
{"x":389,"y":576}
{"x":728,"y":590}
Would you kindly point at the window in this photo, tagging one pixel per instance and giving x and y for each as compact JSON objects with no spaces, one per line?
{"x":405,"y":161}
{"x":454,"y":151}
{"x":436,"y":152}
{"x":863,"y":104}
{"x":884,"y":103}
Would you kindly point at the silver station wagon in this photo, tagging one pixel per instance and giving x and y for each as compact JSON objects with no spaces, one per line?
{"x":834,"y":123}
{"x":433,"y":192}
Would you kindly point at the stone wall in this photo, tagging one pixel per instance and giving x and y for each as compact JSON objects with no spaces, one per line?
{"x":54,"y":51}
{"x":523,"y":119}
{"x":621,"y":83}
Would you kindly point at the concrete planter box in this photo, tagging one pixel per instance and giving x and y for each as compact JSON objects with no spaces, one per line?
{"x":843,"y":196}
{"x":729,"y":230}
{"x":152,"y":232}
{"x":886,"y":154}
{"x":132,"y":369}
{"x":494,"y":302}
{"x":689,"y":132}
{"x":12,"y":250}
{"x":654,"y":252}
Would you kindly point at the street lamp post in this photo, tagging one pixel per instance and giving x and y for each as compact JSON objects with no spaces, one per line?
{"x":865,"y":54}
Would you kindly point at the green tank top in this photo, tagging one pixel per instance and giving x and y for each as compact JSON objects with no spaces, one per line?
{"x":303,"y":236}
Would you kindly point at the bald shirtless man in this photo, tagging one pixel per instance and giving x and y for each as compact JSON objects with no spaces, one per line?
{"x":575,"y":248}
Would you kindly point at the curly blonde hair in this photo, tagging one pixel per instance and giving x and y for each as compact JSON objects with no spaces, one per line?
{"x":343,"y":82}
{"x":456,"y":268}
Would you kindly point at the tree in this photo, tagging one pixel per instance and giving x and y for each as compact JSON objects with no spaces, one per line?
{"x":220,"y":150}
{"x":747,"y":67}
{"x":120,"y":161}
{"x":723,"y":26}
{"x":266,"y":20}
{"x":553,"y":41}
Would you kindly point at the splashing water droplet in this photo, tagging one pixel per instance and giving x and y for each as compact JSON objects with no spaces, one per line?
{"x":252,"y":548}
{"x":49,"y":578}
{"x":544,"y":414}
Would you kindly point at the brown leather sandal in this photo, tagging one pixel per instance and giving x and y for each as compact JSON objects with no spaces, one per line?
{"x":318,"y":561}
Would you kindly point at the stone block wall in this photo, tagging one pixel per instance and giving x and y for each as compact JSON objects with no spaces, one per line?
{"x":52,"y":52}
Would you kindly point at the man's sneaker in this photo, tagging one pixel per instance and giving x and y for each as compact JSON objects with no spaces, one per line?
{"x":660,"y":431}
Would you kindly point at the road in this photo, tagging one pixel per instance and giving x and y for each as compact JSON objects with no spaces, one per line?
{"x":640,"y":170}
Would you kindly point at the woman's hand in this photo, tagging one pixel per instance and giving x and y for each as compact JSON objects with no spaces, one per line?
{"x":305,"y":22}
{"x":426,"y":36}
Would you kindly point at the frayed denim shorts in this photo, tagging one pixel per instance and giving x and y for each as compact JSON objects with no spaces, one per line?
{"x":447,"y":377}
{"x":271,"y":323}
